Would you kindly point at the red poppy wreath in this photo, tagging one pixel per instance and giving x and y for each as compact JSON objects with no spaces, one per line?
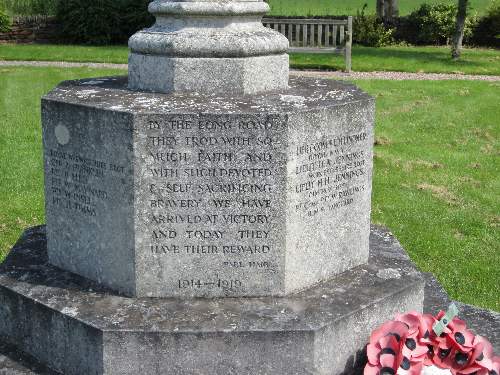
{"x":423,"y":344}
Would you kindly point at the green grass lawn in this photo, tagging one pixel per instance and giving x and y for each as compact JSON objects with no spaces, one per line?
{"x":403,"y":59}
{"x":71,"y":53}
{"x":436,"y":185}
{"x":437,"y":180}
{"x":350,"y":7}
{"x":406,"y":59}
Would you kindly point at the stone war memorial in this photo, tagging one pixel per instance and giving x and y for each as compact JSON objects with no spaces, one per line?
{"x":206,"y":214}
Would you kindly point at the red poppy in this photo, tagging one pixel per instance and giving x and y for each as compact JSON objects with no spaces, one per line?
{"x":481,"y":358}
{"x":389,"y":351}
{"x":408,"y":343}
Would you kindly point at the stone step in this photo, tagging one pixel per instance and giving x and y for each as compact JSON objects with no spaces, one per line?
{"x":76,"y":327}
{"x":484,"y":322}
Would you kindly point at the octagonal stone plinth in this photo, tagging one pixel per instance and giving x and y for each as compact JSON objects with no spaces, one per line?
{"x":77,"y":327}
{"x":205,"y":196}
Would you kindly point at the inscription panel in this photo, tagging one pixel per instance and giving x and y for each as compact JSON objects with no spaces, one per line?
{"x":89,"y":193}
{"x":331,"y":173}
{"x":79,"y":184}
{"x":329,"y":187}
{"x":212,"y":192}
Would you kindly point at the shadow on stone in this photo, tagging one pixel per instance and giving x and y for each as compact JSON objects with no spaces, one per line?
{"x":30,"y":254}
{"x":356,"y":363}
{"x":14,"y":362}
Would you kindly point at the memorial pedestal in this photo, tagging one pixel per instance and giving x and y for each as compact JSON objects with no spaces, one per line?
{"x":77,"y":327}
{"x":219,"y":227}
{"x":189,"y":195}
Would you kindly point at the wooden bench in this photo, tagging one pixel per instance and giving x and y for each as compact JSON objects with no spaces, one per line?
{"x":316,"y":35}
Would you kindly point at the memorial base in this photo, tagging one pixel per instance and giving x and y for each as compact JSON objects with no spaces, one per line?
{"x":190,"y":195}
{"x":76,"y":327}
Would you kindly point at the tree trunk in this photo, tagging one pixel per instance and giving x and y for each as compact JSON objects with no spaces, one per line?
{"x":380,"y":9}
{"x":456,"y":47}
{"x":387,"y":10}
{"x":394,"y":8}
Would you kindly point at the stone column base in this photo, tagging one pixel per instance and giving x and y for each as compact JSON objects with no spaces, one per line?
{"x":245,"y":75}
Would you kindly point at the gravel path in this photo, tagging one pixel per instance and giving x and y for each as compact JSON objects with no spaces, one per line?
{"x":396,"y":76}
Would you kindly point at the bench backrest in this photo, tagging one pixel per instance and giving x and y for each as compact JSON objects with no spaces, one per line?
{"x":312,"y":32}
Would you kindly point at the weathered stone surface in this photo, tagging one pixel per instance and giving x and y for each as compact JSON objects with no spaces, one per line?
{"x":78,"y":327}
{"x":181,"y":74}
{"x":190,"y":195}
{"x":206,"y":47}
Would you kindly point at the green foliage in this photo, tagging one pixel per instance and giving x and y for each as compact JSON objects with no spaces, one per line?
{"x":30,"y":7}
{"x":102,"y":22}
{"x":431,"y":24}
{"x":487,"y":30}
{"x":4,"y":22}
{"x":369,"y":31}
{"x":134,"y":17}
{"x":91,"y":22}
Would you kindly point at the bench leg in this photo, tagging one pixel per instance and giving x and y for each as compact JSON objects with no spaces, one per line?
{"x":348,"y":61}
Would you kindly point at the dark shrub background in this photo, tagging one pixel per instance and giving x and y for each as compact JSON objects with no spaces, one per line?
{"x":101,"y":22}
{"x":487,"y":30}
{"x":4,"y":21}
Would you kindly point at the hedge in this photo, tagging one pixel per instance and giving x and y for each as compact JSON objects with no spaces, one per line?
{"x":4,"y":22}
{"x":114,"y":21}
{"x":102,"y":21}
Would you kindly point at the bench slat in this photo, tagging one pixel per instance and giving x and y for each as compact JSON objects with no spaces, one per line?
{"x":309,"y":21}
{"x":297,"y":35}
{"x":342,"y":35}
